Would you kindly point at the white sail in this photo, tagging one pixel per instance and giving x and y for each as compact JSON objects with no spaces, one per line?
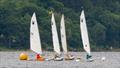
{"x":56,"y":44}
{"x":35,"y":43}
{"x":63,"y":35}
{"x":84,"y":33}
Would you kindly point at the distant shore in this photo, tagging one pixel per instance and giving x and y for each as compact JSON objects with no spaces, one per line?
{"x":71,"y":50}
{"x":12,"y":50}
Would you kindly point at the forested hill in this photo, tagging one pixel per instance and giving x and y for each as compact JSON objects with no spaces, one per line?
{"x":103,"y":22}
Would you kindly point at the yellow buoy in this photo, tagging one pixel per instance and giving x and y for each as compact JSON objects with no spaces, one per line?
{"x":23,"y":56}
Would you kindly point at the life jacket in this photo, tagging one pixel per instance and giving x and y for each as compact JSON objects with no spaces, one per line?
{"x":39,"y":57}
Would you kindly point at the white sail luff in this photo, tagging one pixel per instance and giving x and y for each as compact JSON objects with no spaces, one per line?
{"x":56,"y":44}
{"x":84,"y":33}
{"x":35,"y":43}
{"x":63,"y":35}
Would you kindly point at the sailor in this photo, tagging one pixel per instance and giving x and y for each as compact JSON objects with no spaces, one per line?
{"x":89,"y":58}
{"x":58,"y":57}
{"x":69,"y":57}
{"x":39,"y":57}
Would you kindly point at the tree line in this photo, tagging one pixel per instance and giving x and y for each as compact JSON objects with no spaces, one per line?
{"x":103,"y":22}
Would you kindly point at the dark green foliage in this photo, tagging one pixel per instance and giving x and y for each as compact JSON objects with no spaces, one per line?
{"x":103,"y":22}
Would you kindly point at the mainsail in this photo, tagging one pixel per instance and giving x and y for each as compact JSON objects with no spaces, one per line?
{"x":84,"y":33}
{"x":63,"y":35}
{"x":56,"y":44}
{"x":35,"y":43}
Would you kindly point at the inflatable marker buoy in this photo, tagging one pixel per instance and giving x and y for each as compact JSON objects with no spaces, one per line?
{"x":103,"y":58}
{"x":77,"y":60}
{"x":23,"y":56}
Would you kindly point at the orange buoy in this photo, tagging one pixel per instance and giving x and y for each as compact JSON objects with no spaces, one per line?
{"x":39,"y":57}
{"x":23,"y":56}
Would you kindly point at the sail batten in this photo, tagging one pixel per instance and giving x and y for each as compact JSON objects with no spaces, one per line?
{"x":35,"y":43}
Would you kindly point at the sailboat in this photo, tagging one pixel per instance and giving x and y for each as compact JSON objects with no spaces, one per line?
{"x":84,"y":35}
{"x":35,"y":42}
{"x":63,"y":39}
{"x":56,"y":44}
